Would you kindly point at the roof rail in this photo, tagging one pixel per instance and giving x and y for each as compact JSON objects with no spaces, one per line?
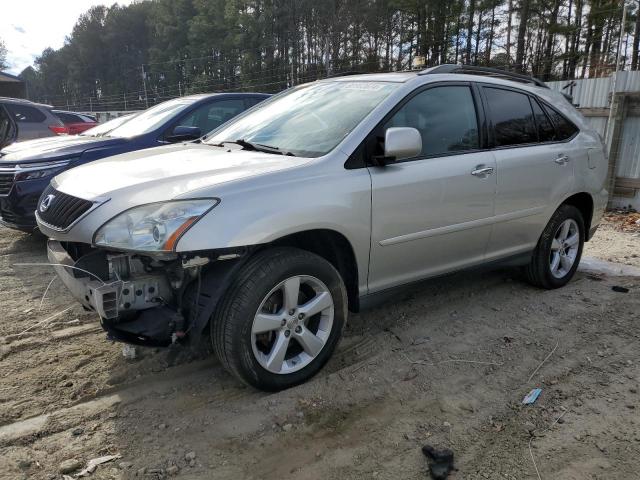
{"x":488,"y":71}
{"x":343,"y":74}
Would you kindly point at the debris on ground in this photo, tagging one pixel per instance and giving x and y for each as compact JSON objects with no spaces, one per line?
{"x":531,"y":397}
{"x":70,"y":465}
{"x":624,"y":219}
{"x":543,"y":361}
{"x":441,"y":461}
{"x":619,"y":289}
{"x":94,"y":462}
{"x":129,"y":351}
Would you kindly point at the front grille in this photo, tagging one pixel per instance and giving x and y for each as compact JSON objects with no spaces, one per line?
{"x":6,"y":182}
{"x":63,"y":209}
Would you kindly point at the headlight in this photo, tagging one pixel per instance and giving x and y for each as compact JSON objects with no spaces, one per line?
{"x":40,"y":170}
{"x":155,"y":227}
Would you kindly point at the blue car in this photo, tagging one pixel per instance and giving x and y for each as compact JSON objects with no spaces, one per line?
{"x":27,"y":167}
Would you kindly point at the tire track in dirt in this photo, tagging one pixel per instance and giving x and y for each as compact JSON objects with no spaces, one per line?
{"x":188,"y":376}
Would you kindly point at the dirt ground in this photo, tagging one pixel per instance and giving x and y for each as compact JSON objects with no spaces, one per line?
{"x":447,"y":364}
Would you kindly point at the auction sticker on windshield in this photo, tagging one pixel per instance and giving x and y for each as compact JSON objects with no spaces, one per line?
{"x":365,"y":86}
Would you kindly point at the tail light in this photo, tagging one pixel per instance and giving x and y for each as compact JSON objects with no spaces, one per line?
{"x":59,"y":129}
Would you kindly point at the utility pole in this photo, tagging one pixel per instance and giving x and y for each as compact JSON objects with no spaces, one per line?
{"x":179,"y":89}
{"x":144,"y":84}
{"x":124,"y":97}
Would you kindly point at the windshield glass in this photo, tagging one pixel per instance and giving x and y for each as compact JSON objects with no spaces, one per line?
{"x":151,"y":119}
{"x":106,"y":127}
{"x":308,"y":121}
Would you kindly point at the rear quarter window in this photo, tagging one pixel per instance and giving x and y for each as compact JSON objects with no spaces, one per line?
{"x":564,"y":128}
{"x":546,"y":131}
{"x":69,"y":117}
{"x":25,"y":113}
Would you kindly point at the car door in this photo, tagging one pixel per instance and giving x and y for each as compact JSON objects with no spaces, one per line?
{"x":432,"y":213}
{"x":534,"y":168}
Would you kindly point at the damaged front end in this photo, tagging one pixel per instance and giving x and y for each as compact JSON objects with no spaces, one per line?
{"x":145,"y":299}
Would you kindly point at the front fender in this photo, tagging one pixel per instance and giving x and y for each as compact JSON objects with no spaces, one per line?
{"x":262,"y":213}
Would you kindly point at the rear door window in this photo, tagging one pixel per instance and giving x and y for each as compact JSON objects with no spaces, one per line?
{"x":444,"y":116}
{"x":564,"y":128}
{"x":25,"y":113}
{"x":511,"y":116}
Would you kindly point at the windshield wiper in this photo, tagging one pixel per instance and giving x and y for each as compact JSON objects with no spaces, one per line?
{"x":258,"y":147}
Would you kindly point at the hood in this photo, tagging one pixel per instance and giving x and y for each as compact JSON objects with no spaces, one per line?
{"x":167,"y":172}
{"x":54,"y":148}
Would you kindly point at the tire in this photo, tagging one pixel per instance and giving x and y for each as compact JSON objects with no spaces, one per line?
{"x":257,"y":299}
{"x":551,"y":248}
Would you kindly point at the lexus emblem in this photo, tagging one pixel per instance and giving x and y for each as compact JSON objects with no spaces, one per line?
{"x":46,"y":203}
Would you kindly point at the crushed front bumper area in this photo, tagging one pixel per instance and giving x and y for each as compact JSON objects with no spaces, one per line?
{"x":132,"y":300}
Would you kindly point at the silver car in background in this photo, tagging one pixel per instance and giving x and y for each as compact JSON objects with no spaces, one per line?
{"x":265,"y":234}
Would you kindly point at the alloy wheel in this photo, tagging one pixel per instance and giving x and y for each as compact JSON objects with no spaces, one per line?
{"x":292,"y":324}
{"x":564,"y":248}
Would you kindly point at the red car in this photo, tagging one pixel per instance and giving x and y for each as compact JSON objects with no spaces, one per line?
{"x":74,"y":123}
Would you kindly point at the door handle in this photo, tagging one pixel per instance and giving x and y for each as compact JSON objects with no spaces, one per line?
{"x":482,"y":171}
{"x":562,"y":160}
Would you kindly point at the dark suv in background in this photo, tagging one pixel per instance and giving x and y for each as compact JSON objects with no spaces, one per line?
{"x":26,"y":172}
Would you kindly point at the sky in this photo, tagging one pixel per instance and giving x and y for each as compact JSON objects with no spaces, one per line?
{"x":27,"y":27}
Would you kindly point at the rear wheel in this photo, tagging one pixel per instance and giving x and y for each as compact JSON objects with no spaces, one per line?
{"x":557,"y":255}
{"x":281,"y":318}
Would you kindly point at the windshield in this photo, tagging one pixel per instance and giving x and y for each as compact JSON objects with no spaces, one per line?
{"x":106,"y":127}
{"x":308,"y":121}
{"x":151,"y":119}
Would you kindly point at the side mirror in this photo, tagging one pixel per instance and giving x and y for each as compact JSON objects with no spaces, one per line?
{"x":400,"y":143}
{"x":183,"y":133}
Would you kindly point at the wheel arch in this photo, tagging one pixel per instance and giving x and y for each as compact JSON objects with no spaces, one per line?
{"x":203,"y":297}
{"x":583,"y":201}
{"x":335,"y":248}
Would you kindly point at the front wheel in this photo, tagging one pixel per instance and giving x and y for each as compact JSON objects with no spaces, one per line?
{"x":557,"y":255}
{"x":281,"y":319}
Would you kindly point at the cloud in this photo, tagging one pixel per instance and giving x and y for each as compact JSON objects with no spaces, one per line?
{"x":47,"y":28}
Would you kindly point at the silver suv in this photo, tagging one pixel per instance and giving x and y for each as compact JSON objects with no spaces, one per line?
{"x":266,"y":233}
{"x":24,"y":120}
